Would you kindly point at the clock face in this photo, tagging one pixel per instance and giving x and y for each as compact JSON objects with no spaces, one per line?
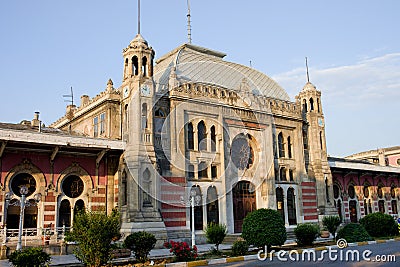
{"x":145,"y":90}
{"x":320,"y":122}
{"x":126,"y":91}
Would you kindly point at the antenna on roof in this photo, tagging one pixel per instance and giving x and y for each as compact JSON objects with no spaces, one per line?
{"x":308,"y":76}
{"x":138,"y":17}
{"x":189,"y":27}
{"x":71,"y":96}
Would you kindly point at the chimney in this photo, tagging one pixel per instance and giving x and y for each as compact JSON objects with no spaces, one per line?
{"x":36,"y":122}
{"x":84,"y":100}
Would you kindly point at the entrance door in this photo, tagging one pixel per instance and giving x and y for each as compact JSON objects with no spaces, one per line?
{"x":244,"y":201}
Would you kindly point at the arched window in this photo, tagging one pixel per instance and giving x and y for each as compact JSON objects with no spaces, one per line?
{"x":291,"y":206}
{"x":144,"y":66}
{"x":124,"y":189}
{"x":289,"y":146}
{"x":190,"y":136}
{"x":321,"y":140}
{"x":281,"y":147}
{"x":126,"y":68}
{"x":64,"y":213}
{"x":213,"y":139}
{"x":380,"y":191}
{"x":144,"y":116}
{"x":198,"y":209}
{"x":351,"y":191}
{"x":201,"y":136}
{"x":212,"y":205}
{"x":336,"y":191}
{"x":304,"y":106}
{"x":146,"y":188}
{"x":318,"y":105}
{"x":311,"y":104}
{"x":135,"y":66}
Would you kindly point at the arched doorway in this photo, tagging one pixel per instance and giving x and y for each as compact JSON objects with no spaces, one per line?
{"x":244,"y":201}
{"x":212,"y":205}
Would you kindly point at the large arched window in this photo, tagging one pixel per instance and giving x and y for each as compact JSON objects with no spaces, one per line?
{"x":202,"y":136}
{"x":144,"y":66}
{"x":289,"y":147}
{"x":198,"y":210}
{"x":212,"y":205}
{"x":311,"y":104}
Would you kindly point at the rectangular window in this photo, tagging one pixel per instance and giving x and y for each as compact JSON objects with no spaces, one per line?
{"x":191,"y":171}
{"x":96,"y":126}
{"x":214,"y":172}
{"x":102,"y":123}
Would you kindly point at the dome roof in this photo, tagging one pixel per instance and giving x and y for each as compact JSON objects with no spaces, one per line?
{"x":197,"y":64}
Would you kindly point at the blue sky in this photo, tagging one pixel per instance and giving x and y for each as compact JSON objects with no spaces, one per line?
{"x":353,"y":48}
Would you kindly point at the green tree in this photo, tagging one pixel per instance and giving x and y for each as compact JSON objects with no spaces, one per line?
{"x":93,"y":232}
{"x":264,"y":227}
{"x":215,"y":233}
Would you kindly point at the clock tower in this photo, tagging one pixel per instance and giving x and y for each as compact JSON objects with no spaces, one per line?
{"x":139,"y":202}
{"x":315,"y":152}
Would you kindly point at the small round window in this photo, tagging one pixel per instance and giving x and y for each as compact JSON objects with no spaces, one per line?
{"x":72,"y":186}
{"x":23,"y":179}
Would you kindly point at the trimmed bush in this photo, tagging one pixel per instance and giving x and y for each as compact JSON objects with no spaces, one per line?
{"x":306,"y":233}
{"x":240,"y":248}
{"x":264,"y":227}
{"x":354,"y":232}
{"x":215,"y":233}
{"x":29,"y":257}
{"x":379,"y":224}
{"x":141,"y":243}
{"x":331,"y":223}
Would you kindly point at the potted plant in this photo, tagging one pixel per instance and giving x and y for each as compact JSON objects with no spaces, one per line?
{"x":324,"y":233}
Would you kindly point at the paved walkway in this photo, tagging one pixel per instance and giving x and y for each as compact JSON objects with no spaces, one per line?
{"x":70,"y":260}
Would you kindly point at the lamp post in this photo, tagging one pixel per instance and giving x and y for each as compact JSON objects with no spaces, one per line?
{"x":194,"y":200}
{"x":23,"y":191}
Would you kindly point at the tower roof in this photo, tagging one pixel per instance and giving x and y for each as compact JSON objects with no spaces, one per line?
{"x":198,"y":64}
{"x":309,"y":87}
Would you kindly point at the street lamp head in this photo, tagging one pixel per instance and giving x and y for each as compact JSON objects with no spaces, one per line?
{"x":23,"y":190}
{"x":192,"y":193}
{"x":8,"y":196}
{"x":37,"y":197}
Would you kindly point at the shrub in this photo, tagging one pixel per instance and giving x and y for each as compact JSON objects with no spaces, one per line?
{"x":29,"y":257}
{"x":264,"y":227}
{"x":93,"y":232}
{"x":331,"y":223}
{"x":379,"y":224}
{"x":240,"y":248}
{"x":354,"y":232}
{"x":215,"y":233}
{"x":306,"y":233}
{"x":181,"y":250}
{"x":140,"y":243}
